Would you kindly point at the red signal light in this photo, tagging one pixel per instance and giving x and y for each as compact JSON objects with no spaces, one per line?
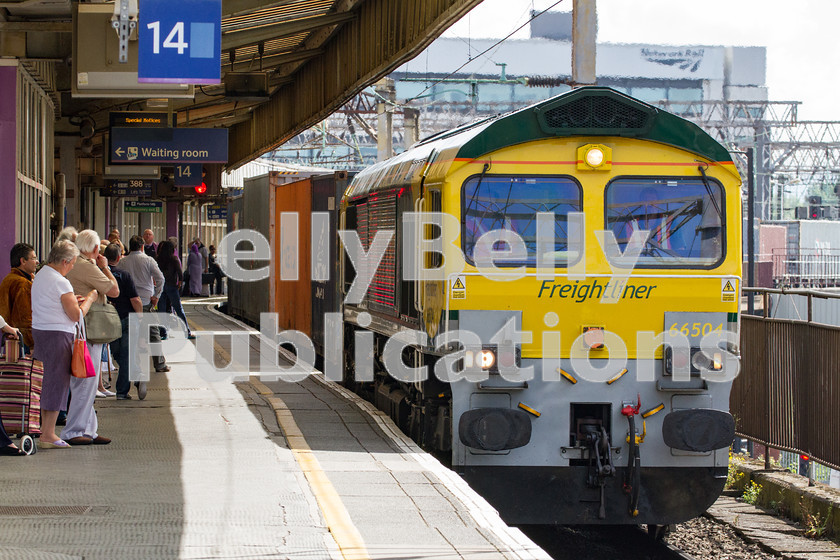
{"x":804,"y":457}
{"x":201,"y":189}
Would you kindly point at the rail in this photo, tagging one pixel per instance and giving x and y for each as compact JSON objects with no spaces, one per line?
{"x":808,"y":268}
{"x":787,"y":395}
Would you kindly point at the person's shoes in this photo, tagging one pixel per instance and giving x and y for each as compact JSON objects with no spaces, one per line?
{"x":80,"y":440}
{"x":108,"y":393}
{"x":12,"y":451}
{"x":101,"y":440}
{"x":100,"y":395}
{"x":163,"y":369}
{"x":141,"y":390}
{"x":123,"y":397}
{"x":60,"y":444}
{"x":191,"y":337}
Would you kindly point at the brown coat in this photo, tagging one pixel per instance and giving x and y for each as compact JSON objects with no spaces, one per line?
{"x":16,"y":303}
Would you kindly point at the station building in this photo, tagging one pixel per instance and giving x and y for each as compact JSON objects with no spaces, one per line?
{"x":535,"y":69}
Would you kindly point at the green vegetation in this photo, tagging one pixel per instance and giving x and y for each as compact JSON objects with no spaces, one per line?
{"x":751,"y":493}
{"x":816,"y":526}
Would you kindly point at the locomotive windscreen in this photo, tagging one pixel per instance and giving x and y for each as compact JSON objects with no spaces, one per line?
{"x":684,"y":219}
{"x":511,"y":203}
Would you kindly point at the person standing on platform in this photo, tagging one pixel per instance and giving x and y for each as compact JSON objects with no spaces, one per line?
{"x":56,"y":312}
{"x":127,"y":302}
{"x":16,"y":291}
{"x":194,"y":267}
{"x":216,"y":270}
{"x":205,"y":264}
{"x":149,"y":245}
{"x":68,"y":233}
{"x":205,"y":255}
{"x":149,"y":281}
{"x":114,"y":237}
{"x":90,"y":273}
{"x":170,"y":266}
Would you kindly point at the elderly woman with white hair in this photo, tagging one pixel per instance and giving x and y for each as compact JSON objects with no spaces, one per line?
{"x":90,"y":273}
{"x":56,"y":310}
{"x":67,"y":233}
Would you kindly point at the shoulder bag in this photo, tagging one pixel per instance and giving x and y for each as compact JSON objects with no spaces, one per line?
{"x":81,"y":364}
{"x":102,"y":324}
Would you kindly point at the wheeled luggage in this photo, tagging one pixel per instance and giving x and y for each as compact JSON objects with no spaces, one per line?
{"x":20,"y":394}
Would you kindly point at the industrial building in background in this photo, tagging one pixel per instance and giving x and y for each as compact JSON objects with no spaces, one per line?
{"x":721,"y":88}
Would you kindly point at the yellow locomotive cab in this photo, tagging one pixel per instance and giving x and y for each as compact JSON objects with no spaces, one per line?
{"x":559,"y":291}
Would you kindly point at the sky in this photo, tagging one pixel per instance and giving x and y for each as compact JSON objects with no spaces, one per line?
{"x":801,"y":36}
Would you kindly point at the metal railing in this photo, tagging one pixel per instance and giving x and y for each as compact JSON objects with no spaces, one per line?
{"x":787,"y":395}
{"x":809,"y":268}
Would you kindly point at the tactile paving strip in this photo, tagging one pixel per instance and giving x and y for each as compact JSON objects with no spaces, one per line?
{"x":44,"y":510}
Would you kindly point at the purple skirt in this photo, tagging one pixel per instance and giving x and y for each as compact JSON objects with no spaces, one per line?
{"x":55,"y":350}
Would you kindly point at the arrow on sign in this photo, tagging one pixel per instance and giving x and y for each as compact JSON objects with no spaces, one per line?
{"x":119,"y":152}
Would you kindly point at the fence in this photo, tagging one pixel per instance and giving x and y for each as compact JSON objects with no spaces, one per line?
{"x":787,"y":395}
{"x":807,"y":268}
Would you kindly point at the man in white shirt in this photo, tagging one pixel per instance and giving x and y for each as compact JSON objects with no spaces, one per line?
{"x":148,"y":279}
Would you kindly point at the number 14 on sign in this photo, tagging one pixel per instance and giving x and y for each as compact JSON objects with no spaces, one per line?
{"x":175,"y":39}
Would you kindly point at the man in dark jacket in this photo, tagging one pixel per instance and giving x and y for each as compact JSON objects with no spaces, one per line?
{"x":127,"y":302}
{"x":16,"y":291}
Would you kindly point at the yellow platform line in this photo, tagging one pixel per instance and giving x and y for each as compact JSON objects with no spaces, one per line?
{"x":346,"y":535}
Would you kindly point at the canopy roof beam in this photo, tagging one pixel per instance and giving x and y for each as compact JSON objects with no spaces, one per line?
{"x":382,"y":36}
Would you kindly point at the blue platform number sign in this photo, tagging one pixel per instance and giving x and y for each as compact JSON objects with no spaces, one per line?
{"x":180,"y":42}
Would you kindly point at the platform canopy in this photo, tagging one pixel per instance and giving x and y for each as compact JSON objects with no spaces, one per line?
{"x":317,"y":54}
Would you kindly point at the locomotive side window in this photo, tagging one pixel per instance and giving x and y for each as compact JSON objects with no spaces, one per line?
{"x":684,"y":218}
{"x":504,"y":202}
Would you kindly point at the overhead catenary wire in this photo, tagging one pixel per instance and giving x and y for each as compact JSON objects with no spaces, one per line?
{"x":482,"y":53}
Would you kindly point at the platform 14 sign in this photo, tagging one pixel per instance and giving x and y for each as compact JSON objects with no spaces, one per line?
{"x":180,"y":42}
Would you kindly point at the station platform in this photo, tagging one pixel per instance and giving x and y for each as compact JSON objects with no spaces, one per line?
{"x":244,"y":469}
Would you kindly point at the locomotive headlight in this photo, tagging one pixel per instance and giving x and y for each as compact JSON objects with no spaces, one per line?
{"x":486,"y":358}
{"x":594,"y":157}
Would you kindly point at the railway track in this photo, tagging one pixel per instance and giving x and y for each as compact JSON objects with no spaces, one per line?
{"x":569,"y":542}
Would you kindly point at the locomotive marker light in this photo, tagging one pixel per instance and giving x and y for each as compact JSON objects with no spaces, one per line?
{"x":594,"y":157}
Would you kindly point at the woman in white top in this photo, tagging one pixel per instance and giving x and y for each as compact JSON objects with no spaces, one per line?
{"x":56,"y":310}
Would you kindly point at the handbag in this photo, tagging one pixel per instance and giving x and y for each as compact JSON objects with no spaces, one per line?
{"x":102,"y":324}
{"x":81,"y":364}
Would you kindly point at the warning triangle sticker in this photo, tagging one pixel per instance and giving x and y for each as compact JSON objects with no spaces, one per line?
{"x":458,"y":285}
{"x":728,"y":287}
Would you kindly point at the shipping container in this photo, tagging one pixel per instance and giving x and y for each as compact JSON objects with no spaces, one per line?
{"x":811,"y":256}
{"x":299,"y":300}
{"x":254,"y":210}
